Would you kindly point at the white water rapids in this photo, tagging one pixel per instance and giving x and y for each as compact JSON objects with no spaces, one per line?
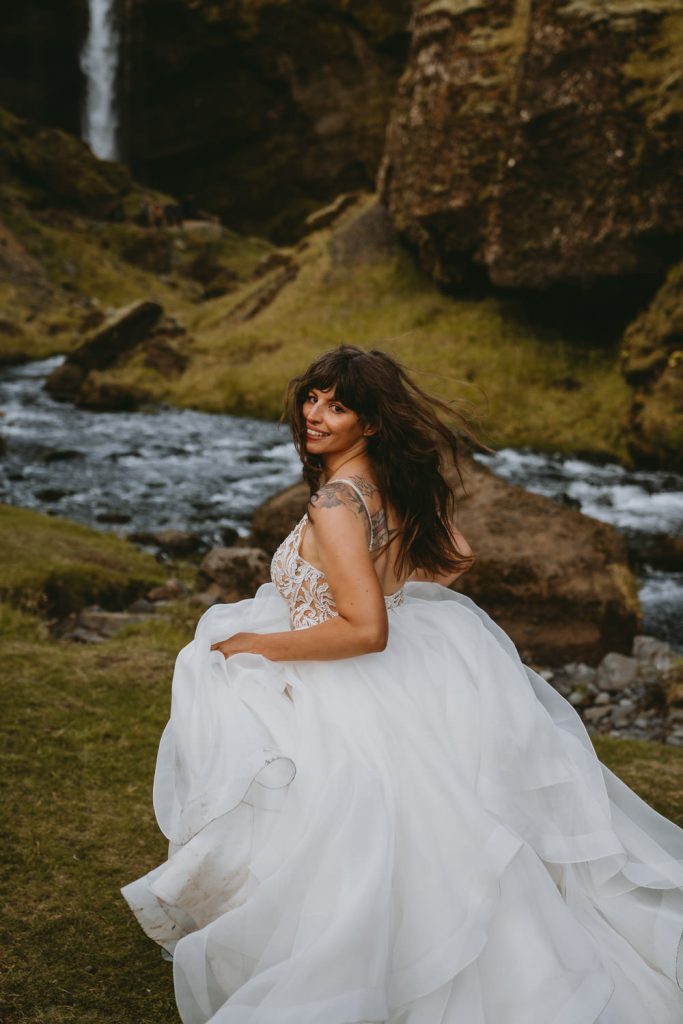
{"x":99,"y":63}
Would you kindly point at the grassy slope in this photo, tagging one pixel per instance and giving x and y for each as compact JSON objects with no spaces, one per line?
{"x":531,"y":385}
{"x":55,"y":565}
{"x":80,"y":732}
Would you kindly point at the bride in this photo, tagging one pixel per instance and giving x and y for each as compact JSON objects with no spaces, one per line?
{"x":375,"y":811}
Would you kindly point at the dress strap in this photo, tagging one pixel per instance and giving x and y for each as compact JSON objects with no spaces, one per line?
{"x":344,"y":480}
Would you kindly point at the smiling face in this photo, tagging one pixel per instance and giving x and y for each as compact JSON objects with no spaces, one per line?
{"x":330,"y":427}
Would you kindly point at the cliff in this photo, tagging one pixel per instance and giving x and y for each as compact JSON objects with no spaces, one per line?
{"x":263,"y":110}
{"x":540,"y":143}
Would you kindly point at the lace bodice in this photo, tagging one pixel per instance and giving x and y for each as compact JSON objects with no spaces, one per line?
{"x":303,"y":586}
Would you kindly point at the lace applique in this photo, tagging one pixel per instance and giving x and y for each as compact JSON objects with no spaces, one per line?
{"x":305,"y":588}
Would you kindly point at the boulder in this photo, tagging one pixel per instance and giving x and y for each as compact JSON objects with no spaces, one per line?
{"x":115,"y":339}
{"x":557,"y":581}
{"x":540,"y":141}
{"x":652,"y":362}
{"x":616,"y":672}
{"x":231,"y":574}
{"x":177,"y":543}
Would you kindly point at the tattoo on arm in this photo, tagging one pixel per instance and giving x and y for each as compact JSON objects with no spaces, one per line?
{"x":337,"y":493}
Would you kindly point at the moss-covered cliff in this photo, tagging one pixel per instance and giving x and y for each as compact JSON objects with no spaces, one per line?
{"x":541,"y":142}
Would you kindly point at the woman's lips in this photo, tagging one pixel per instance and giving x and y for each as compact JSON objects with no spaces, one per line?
{"x":315,"y":435}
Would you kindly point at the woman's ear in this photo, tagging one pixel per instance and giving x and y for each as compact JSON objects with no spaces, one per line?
{"x":369,"y":430}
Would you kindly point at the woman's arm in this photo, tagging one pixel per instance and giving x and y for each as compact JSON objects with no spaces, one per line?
{"x":361,"y":627}
{"x":448,"y":577}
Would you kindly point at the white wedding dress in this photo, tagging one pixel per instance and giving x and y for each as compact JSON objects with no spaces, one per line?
{"x":419,"y":836}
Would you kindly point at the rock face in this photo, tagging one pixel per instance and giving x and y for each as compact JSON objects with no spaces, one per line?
{"x":39,"y":73}
{"x":555,"y":580}
{"x":539,"y":141}
{"x":652,"y":362}
{"x":265,"y":110}
{"x":57,"y":169}
{"x":76,"y":379}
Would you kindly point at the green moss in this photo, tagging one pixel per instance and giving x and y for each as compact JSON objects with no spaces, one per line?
{"x":656,"y":72}
{"x":57,"y":566}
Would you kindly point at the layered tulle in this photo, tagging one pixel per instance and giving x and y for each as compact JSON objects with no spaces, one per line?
{"x":419,"y":836}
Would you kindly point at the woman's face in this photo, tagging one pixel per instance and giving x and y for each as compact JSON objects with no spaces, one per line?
{"x":331,"y":428}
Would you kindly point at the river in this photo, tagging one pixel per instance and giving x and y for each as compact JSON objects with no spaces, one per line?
{"x":166,"y":467}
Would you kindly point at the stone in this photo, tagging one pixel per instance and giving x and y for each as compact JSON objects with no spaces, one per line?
{"x":596,"y":714}
{"x":173,"y":542}
{"x":652,"y":362}
{"x":95,"y":621}
{"x":651,"y":652}
{"x":538,"y":143}
{"x":556,"y":581}
{"x":579,"y":697}
{"x":171,"y":590}
{"x":602,"y":698}
{"x":233,"y":573}
{"x":363,"y":238}
{"x":616,"y":672}
{"x":119,"y":335}
{"x":101,"y":395}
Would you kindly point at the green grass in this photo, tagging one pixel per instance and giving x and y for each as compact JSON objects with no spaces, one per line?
{"x":58,"y":566}
{"x":80,"y":730}
{"x":528,"y":384}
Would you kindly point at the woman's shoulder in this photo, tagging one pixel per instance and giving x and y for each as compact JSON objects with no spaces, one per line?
{"x":353,"y":492}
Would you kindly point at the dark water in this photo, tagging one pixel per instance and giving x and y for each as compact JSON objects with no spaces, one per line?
{"x":196,"y":471}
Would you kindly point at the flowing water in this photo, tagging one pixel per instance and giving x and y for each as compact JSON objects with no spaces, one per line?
{"x":99,"y":63}
{"x":196,"y":471}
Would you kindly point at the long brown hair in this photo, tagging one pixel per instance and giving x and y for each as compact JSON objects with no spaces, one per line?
{"x":409,"y":450}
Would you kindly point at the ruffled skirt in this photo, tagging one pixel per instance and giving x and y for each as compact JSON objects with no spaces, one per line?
{"x":419,"y":836}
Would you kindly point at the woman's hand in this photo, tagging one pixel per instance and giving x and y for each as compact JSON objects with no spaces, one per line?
{"x":238,"y":643}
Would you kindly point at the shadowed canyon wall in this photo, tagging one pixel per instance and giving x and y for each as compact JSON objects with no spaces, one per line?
{"x":263,"y":110}
{"x":40,"y":78}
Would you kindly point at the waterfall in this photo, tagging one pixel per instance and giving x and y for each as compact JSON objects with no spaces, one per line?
{"x":99,"y":63}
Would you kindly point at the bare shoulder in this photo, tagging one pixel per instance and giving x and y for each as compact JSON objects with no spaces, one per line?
{"x":336,"y":494}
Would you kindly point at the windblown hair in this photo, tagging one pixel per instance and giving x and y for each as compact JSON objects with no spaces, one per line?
{"x":410,"y":449}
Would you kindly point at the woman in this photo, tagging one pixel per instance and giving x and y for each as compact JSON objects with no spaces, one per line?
{"x":376,"y":812}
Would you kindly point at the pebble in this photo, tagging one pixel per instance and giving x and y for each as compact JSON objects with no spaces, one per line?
{"x":637,"y":696}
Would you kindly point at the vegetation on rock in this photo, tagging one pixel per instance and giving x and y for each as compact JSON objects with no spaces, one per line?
{"x":541,"y":141}
{"x":652,"y":360}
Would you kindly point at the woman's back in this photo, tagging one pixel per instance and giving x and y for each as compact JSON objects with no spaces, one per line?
{"x":378,"y":519}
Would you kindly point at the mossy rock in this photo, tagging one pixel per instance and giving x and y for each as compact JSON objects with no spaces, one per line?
{"x":56,"y":567}
{"x":61,"y":168}
{"x":652,"y":362}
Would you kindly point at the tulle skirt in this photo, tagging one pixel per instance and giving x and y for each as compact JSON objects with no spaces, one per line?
{"x":419,"y":836}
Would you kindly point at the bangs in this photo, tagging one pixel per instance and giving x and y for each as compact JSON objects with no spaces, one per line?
{"x":343,"y":376}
